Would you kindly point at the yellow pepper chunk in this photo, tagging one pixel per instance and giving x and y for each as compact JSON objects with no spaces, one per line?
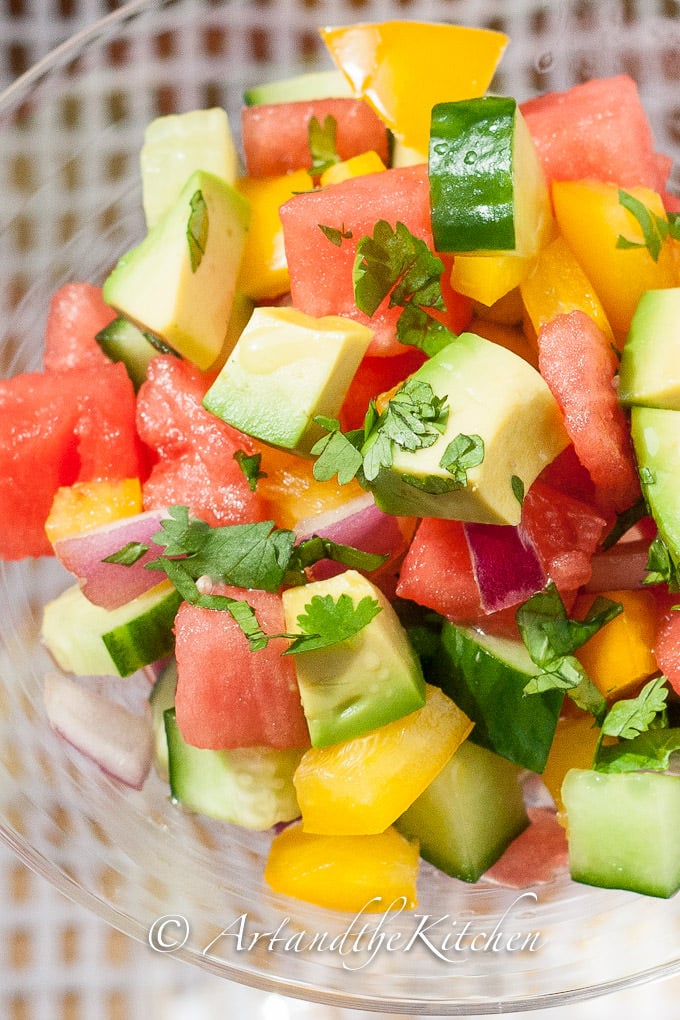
{"x":591,"y":218}
{"x":263,"y":273}
{"x":557,"y":286}
{"x":403,"y":68}
{"x":573,"y":746}
{"x":488,"y":278}
{"x":84,"y":506}
{"x":361,"y":786}
{"x":357,"y":166}
{"x":355,"y":873}
{"x":620,"y":656}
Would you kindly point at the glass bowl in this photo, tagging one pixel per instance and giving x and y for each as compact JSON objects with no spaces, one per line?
{"x":70,"y":134}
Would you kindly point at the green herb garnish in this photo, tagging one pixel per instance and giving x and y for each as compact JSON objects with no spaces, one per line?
{"x":461,"y":454}
{"x":327,"y":621}
{"x":250,"y":466}
{"x":197,"y":229}
{"x":336,"y":235}
{"x":322,"y":144}
{"x":655,"y":229}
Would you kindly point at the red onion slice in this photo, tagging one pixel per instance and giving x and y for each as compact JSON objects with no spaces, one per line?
{"x":623,"y":567}
{"x":119,"y":741}
{"x":506,"y":565}
{"x":109,"y":584}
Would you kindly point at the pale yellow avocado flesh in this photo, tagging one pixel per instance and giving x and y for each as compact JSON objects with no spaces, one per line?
{"x":287,"y":368}
{"x":494,"y":394}
{"x":156,"y":286}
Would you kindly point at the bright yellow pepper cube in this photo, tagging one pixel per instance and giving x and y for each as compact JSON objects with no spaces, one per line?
{"x":620,"y":655}
{"x":361,"y":786}
{"x":573,"y":747}
{"x":84,"y":506}
{"x":354,"y":873}
{"x":357,"y":166}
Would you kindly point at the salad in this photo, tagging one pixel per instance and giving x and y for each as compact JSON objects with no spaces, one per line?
{"x":366,"y":455}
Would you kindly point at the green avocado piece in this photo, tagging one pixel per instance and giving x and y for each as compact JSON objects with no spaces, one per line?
{"x":179,"y":283}
{"x":362,"y":682}
{"x":649,"y":373}
{"x":492,"y":394}
{"x":623,"y":830}
{"x":469,"y":814}
{"x":285,"y":369}
{"x":486,"y":675}
{"x":656,"y":441}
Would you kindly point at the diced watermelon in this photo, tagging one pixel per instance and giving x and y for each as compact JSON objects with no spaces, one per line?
{"x":227,"y":695}
{"x":76,"y":314}
{"x":667,"y":644}
{"x":195,"y":449}
{"x":598,"y":129}
{"x":373,"y":377}
{"x":57,"y":428}
{"x":276,"y":136}
{"x":577,"y":362}
{"x":321,"y":271}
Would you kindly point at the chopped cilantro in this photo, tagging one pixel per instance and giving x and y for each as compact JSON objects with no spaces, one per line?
{"x":630,"y":717}
{"x":322,"y":144}
{"x":197,"y":229}
{"x":461,"y":454}
{"x":644,"y":740}
{"x":128,"y":555}
{"x":517,"y":486}
{"x":624,"y":522}
{"x":661,"y":566}
{"x":336,"y":235}
{"x":327,"y":621}
{"x":250,"y":466}
{"x":655,"y":229}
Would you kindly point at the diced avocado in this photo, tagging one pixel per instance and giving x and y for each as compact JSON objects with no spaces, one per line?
{"x":330,"y":84}
{"x":362,"y":682}
{"x":492,"y":394}
{"x":249,"y":786}
{"x":161,"y":698}
{"x":649,"y":373}
{"x":469,"y":814}
{"x":624,"y":830}
{"x":656,"y":440}
{"x":174,"y":147}
{"x":122,"y":341}
{"x":488,"y":191}
{"x":179,"y":282}
{"x":89,"y":640}
{"x":486,"y":675}
{"x":287,"y":368}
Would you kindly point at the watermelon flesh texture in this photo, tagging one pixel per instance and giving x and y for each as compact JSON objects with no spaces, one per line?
{"x":76,"y":313}
{"x":228,"y":696}
{"x":194,"y":451}
{"x":321,"y":272}
{"x":276,"y":136}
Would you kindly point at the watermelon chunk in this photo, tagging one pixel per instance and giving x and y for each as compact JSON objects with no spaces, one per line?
{"x":321,"y":274}
{"x":598,"y":129}
{"x":228,"y":696}
{"x":195,"y":463}
{"x":577,"y":362}
{"x":76,"y":313}
{"x":276,"y":135}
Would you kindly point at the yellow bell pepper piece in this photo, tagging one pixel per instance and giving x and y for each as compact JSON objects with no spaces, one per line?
{"x":354,"y":873}
{"x":361,"y":786}
{"x":357,"y":166}
{"x":84,"y":506}
{"x":573,"y":746}
{"x":403,"y":68}
{"x":292,"y":492}
{"x":558,"y":285}
{"x":620,"y":656}
{"x":592,"y":219}
{"x":263,"y":274}
{"x":488,"y":278}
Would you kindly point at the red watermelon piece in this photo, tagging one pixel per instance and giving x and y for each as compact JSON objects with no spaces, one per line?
{"x":321,"y":271}
{"x":576,"y":360}
{"x":194,"y":449}
{"x":76,"y":314}
{"x":667,"y":645}
{"x":373,"y":377}
{"x":228,"y":696}
{"x":57,"y":428}
{"x":276,"y":136}
{"x":598,"y":129}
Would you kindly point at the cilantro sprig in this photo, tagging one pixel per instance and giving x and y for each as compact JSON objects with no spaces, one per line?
{"x":655,"y":229}
{"x":643,"y":741}
{"x":197,"y":229}
{"x":322,"y":140}
{"x":328,"y":621}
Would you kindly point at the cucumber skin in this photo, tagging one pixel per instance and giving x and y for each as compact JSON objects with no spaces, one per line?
{"x":146,"y":638}
{"x":624,"y":830}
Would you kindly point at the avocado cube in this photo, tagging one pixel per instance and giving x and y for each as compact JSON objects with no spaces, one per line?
{"x":650,"y":361}
{"x":285,"y":369}
{"x":496,"y":396}
{"x":656,"y":440}
{"x":179,"y":283}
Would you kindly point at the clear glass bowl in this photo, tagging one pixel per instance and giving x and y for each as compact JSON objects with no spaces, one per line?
{"x":70,"y":133}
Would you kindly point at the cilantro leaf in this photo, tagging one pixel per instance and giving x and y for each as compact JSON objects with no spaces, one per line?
{"x":655,"y":229}
{"x":629,"y":717}
{"x":336,"y":235}
{"x":461,"y":454}
{"x":652,"y":749}
{"x":661,"y":567}
{"x":327,"y":621}
{"x":322,"y":144}
{"x":197,"y":229}
{"x":310,"y":550}
{"x":413,"y":419}
{"x":337,"y":453}
{"x":416,"y":328}
{"x":250,"y":466}
{"x":624,"y":522}
{"x":128,"y":555}
{"x":517,"y":486}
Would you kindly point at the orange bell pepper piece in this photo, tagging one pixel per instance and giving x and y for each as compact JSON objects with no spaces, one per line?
{"x":620,"y":656}
{"x":365,"y":163}
{"x":84,"y":506}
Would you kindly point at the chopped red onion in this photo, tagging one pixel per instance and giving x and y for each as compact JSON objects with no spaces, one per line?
{"x":623,"y":567}
{"x":506,"y":565}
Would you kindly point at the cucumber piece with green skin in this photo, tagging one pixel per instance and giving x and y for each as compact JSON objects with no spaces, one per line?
{"x":486,"y":675}
{"x":89,"y":640}
{"x":488,"y":191}
{"x":469,"y":814}
{"x":624,"y":830}
{"x":161,"y":698}
{"x":248,"y":786}
{"x":122,"y":341}
{"x":330,"y":84}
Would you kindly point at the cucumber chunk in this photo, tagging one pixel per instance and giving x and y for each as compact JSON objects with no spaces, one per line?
{"x":161,"y":698}
{"x":123,"y":341}
{"x":468,"y":814}
{"x":330,"y":84}
{"x":249,"y":786}
{"x":624,"y":830}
